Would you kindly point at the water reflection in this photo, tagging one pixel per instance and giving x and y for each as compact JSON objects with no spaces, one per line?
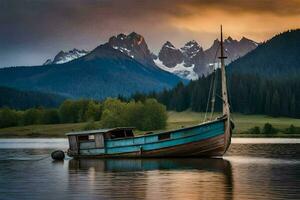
{"x":155,"y":178}
{"x":249,"y":171}
{"x":124,"y":165}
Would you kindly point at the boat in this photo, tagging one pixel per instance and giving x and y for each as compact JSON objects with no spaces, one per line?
{"x":208,"y":139}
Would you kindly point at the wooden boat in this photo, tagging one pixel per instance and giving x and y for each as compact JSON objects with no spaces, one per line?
{"x":211,"y":138}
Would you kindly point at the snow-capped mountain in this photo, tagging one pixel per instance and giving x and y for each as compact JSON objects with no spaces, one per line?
{"x":178,"y":61}
{"x":63,"y":57}
{"x":169,"y":55}
{"x":188,"y":62}
{"x":179,"y":69}
{"x":191,"y":61}
{"x":134,"y":46}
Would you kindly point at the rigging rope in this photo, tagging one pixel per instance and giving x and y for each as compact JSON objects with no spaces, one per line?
{"x":213,"y":100}
{"x":212,"y":86}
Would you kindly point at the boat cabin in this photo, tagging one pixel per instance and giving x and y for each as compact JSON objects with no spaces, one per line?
{"x":95,"y":139}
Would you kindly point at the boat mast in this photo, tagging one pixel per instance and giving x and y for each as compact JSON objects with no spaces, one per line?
{"x":224,"y":82}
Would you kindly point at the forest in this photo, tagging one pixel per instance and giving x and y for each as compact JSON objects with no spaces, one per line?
{"x":248,"y":94}
{"x":19,"y":99}
{"x":145,"y":115}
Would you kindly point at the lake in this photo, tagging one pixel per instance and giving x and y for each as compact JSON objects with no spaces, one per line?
{"x":251,"y":169}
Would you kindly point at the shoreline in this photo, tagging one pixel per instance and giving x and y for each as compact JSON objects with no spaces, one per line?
{"x":175,"y":120}
{"x":235,"y":136}
{"x":235,"y":140}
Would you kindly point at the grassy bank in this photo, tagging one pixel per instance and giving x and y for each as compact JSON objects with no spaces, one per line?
{"x":53,"y":130}
{"x":242,"y":123}
{"x":176,"y":120}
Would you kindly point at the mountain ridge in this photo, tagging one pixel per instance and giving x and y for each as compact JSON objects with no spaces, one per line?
{"x":189,"y":62}
{"x":193,"y":55}
{"x":103,"y":72}
{"x":273,"y":60}
{"x":63,"y":57}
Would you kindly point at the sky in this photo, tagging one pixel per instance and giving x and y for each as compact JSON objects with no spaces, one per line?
{"x":31,"y":31}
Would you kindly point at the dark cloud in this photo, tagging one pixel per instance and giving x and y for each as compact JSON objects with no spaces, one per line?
{"x":37,"y":29}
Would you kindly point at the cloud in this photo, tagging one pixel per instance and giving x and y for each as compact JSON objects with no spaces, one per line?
{"x":275,"y":7}
{"x":42,"y":28}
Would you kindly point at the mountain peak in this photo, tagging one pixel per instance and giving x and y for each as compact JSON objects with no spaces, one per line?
{"x":216,"y":42}
{"x":245,"y":39}
{"x":191,"y":44}
{"x":169,"y":45}
{"x":121,"y":36}
{"x":229,"y":38}
{"x":137,"y":38}
{"x":191,"y":49}
{"x":63,"y":57}
{"x":134,"y":35}
{"x":133,"y":45}
{"x":169,"y":55}
{"x":60,"y":53}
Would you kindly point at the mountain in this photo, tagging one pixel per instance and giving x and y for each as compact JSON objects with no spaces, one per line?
{"x":134,"y":46}
{"x":191,"y":61}
{"x":279,"y":57}
{"x":188,"y":62}
{"x":17,"y":99}
{"x":104,"y":72}
{"x":265,"y":81}
{"x":63,"y":57}
{"x":180,"y":61}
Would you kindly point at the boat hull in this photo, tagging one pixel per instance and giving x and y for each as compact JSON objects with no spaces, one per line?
{"x":206,"y":148}
{"x":204,"y":140}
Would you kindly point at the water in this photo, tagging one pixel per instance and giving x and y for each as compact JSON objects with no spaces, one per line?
{"x":252,"y":169}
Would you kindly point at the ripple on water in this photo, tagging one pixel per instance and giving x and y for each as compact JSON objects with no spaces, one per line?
{"x":248,"y":171}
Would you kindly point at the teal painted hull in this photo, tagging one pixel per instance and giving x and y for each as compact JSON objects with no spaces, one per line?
{"x":202,"y":140}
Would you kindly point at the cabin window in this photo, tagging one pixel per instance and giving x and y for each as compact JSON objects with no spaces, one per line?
{"x":82,"y":138}
{"x":129,"y":133}
{"x":117,"y":134}
{"x":91,"y":137}
{"x":121,"y":134}
{"x":164,"y":136}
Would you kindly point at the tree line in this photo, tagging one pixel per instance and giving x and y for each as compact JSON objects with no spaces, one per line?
{"x":144,"y":115}
{"x":18,"y":99}
{"x":248,"y":94}
{"x":269,"y":129}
